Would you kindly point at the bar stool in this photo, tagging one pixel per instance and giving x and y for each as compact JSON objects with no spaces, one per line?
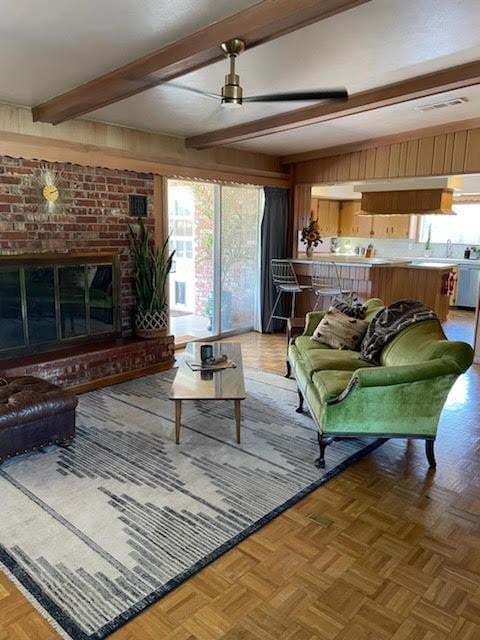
{"x":326,"y":282}
{"x":285,"y":281}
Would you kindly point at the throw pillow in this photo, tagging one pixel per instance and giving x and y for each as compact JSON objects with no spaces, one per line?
{"x":339,"y":331}
{"x":350,"y":307}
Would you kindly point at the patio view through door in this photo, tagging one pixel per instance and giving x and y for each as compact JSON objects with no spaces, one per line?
{"x":215,"y":230}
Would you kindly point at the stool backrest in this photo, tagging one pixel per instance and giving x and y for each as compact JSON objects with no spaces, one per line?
{"x":326,"y":274}
{"x":283,"y":272}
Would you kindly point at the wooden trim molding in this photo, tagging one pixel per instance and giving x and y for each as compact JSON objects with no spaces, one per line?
{"x":430,"y":84}
{"x":36,"y":148}
{"x":257,"y":24}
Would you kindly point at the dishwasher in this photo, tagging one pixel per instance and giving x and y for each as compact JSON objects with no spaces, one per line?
{"x":468,"y":286}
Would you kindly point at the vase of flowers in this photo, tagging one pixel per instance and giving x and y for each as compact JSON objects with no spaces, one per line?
{"x":311,"y":237}
{"x":152,"y":266}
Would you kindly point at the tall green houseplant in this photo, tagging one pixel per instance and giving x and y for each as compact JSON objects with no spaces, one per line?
{"x":152,"y":266}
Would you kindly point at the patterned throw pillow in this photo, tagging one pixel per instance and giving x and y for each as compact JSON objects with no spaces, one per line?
{"x":350,"y":307}
{"x":340,"y":331}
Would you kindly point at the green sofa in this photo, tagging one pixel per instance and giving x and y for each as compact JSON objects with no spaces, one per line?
{"x":402,"y":398}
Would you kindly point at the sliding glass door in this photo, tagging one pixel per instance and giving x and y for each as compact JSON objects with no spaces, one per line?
{"x":239,"y":270}
{"x":215,"y":232}
{"x":191,"y":207}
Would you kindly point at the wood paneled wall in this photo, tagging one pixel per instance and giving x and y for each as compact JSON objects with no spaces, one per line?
{"x":447,"y":153}
{"x":139,"y":143}
{"x":302,"y":204}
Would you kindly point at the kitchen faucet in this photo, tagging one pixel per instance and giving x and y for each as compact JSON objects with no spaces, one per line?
{"x":449,"y":249}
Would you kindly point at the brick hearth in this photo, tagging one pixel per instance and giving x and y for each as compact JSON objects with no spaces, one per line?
{"x":89,"y":366}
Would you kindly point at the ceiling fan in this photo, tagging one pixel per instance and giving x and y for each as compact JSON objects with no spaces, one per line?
{"x":232,"y":92}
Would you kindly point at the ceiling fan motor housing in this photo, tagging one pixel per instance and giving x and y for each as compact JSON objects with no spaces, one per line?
{"x":232,"y":92}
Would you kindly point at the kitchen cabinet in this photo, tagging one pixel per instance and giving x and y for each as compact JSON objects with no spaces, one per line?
{"x":351,"y":225}
{"x":391,"y":227}
{"x":327,"y":212}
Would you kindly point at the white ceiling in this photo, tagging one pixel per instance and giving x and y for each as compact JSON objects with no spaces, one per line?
{"x":371,"y":124}
{"x":46,"y":52}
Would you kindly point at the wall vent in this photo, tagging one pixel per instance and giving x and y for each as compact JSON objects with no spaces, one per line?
{"x":441,"y":105}
{"x":137,"y":206}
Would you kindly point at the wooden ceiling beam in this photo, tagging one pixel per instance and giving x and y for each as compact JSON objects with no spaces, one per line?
{"x":465,"y":75}
{"x":260,"y":23}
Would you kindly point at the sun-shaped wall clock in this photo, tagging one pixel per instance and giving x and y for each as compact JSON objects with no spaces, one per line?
{"x":50,"y":188}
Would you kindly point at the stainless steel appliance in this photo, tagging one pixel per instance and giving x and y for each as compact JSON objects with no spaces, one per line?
{"x":468,"y":285}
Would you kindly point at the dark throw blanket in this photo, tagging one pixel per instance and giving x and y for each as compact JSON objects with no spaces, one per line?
{"x":389,"y":322}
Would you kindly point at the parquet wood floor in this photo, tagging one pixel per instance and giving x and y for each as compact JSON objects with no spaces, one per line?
{"x":386,"y":551}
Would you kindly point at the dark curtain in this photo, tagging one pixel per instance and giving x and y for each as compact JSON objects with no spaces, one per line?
{"x":274,"y":238}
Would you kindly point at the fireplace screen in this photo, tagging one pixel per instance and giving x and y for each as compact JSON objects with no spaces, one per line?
{"x":42,"y":305}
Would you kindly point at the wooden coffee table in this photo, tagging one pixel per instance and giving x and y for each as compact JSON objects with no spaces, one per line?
{"x":226,"y":384}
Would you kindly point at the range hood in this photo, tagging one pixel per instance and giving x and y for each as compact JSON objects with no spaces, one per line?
{"x":411,"y":196}
{"x":407,"y":202}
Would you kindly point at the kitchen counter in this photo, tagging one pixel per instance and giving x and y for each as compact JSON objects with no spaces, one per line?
{"x":436,"y":266}
{"x":390,"y":279}
{"x":455,"y":261}
{"x":350,"y":261}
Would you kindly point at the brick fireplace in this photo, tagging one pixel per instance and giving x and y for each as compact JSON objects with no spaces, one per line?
{"x":93,"y":219}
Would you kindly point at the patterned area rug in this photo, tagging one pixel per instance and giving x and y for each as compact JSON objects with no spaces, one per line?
{"x":95,"y":533}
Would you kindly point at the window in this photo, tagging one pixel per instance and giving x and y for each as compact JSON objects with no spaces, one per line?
{"x":182,"y":211}
{"x":180,"y":293}
{"x":182,"y":228}
{"x":184,"y":248}
{"x":464,"y":228}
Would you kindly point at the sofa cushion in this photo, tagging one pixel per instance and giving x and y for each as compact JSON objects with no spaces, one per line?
{"x":330,"y":384}
{"x":423,"y":342}
{"x":332,"y":360}
{"x":305,"y":343}
{"x":374,"y":305}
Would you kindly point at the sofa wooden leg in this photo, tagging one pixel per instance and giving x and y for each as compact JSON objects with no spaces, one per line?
{"x":299,"y":409}
{"x":430,"y":451}
{"x":289,"y":370}
{"x":323,"y":442}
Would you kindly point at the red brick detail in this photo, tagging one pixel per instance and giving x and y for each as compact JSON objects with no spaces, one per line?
{"x":110,"y":358}
{"x":94,"y":216}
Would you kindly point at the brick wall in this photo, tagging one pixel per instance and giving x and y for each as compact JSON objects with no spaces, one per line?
{"x":93,"y":216}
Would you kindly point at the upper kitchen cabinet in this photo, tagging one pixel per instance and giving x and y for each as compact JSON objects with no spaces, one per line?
{"x":392,"y":227}
{"x":327,"y":216}
{"x":351,"y":225}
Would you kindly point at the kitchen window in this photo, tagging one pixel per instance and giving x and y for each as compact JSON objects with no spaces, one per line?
{"x":463,"y":228}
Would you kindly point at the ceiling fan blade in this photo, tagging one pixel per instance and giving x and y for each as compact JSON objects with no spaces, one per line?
{"x":153,"y":82}
{"x":291,"y":96}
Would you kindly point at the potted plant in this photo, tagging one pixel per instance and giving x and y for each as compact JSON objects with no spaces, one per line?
{"x":311,"y":237}
{"x":152,"y":266}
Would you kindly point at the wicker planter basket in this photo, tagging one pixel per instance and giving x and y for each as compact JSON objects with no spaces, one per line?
{"x":151,"y":324}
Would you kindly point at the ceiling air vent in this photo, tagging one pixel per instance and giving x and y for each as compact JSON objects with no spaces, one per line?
{"x":441,"y":105}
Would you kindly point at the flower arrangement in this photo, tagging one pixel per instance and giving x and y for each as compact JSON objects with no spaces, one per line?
{"x":310,"y":235}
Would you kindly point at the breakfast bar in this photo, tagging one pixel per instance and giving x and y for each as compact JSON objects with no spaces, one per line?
{"x":387,"y":278}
